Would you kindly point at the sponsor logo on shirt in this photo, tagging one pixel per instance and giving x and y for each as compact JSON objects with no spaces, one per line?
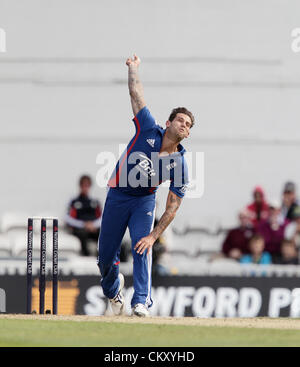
{"x":171,"y":165}
{"x":183,"y":189}
{"x":146,"y":165}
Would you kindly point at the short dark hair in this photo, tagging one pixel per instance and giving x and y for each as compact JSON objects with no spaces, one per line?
{"x":181,"y":110}
{"x":289,"y":187}
{"x":256,"y":237}
{"x":85,"y":178}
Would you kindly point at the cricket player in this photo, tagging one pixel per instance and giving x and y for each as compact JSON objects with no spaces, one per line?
{"x":153,"y":156}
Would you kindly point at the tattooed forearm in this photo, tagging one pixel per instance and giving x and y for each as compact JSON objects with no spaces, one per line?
{"x":134,"y":84}
{"x":163,"y":223}
{"x":135,"y":87}
{"x":173,"y":204}
{"x":133,"y":78}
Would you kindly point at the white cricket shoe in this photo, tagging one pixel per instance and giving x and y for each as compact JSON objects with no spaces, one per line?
{"x":118,"y":303}
{"x":140,"y":310}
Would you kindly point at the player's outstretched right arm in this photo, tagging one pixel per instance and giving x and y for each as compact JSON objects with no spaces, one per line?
{"x":134,"y":84}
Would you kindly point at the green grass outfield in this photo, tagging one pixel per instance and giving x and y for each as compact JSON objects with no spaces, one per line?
{"x":52,"y":332}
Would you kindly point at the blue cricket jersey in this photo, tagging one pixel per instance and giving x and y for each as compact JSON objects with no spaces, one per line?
{"x":140,"y":170}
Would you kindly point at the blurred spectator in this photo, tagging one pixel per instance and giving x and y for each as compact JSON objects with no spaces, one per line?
{"x":237,"y":239}
{"x":289,"y":200}
{"x":272,"y":229}
{"x":257,"y":254}
{"x":259,"y":209}
{"x":292,"y":230}
{"x":288,"y":254}
{"x":84,"y":215}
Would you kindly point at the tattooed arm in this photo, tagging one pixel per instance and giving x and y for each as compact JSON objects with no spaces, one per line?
{"x":173,"y":203}
{"x":134,"y":84}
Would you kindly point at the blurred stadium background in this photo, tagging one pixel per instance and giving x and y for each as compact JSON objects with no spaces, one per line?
{"x":64,"y":100}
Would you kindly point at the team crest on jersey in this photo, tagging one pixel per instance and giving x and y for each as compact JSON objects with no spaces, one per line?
{"x":77,"y":205}
{"x":151,"y":142}
{"x":94,"y":204}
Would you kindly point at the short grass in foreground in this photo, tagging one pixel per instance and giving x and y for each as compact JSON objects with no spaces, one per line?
{"x":71,"y":333}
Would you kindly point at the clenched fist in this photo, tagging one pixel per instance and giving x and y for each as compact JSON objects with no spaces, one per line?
{"x":133,"y":61}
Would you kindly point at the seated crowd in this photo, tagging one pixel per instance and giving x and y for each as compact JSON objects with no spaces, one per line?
{"x":268,"y":232}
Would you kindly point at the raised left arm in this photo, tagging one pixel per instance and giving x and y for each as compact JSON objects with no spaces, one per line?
{"x":173,"y":203}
